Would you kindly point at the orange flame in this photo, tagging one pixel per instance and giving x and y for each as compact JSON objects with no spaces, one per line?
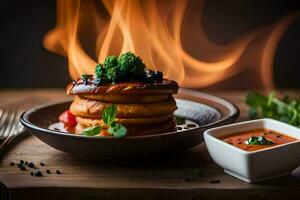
{"x":159,"y":34}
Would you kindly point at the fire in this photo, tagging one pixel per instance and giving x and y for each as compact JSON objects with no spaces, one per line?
{"x":162,"y":34}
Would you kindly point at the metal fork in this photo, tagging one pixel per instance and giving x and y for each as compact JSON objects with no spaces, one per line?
{"x":10,"y":127}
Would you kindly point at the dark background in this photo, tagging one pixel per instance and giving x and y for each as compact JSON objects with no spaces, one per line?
{"x":26,"y":63}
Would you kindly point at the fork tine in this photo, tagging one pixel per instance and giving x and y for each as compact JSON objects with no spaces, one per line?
{"x":10,"y":124}
{"x":3,"y":122}
{"x":3,"y":117}
{"x":17,"y":127}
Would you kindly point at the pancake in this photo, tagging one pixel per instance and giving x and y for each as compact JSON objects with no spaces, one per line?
{"x":86,"y":122}
{"x":125,"y":98}
{"x":165,"y":87}
{"x":167,"y":126}
{"x":93,"y":109}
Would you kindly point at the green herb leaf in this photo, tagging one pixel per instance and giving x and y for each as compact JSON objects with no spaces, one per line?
{"x":255,"y":99}
{"x":91,"y":131}
{"x":109,"y":114}
{"x":260,"y":140}
{"x":85,"y":78}
{"x":117,"y":130}
{"x":180,"y":120}
{"x":286,"y":110}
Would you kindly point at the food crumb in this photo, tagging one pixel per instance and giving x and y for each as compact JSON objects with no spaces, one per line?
{"x":48,"y":171}
{"x":23,"y":168}
{"x":21,"y":162}
{"x":213,"y":181}
{"x":12,"y":164}
{"x":42,"y":164}
{"x":31,"y":173}
{"x":186,"y":179}
{"x":58,"y":172}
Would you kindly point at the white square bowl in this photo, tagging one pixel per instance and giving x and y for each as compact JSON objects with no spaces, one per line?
{"x":254,"y":166}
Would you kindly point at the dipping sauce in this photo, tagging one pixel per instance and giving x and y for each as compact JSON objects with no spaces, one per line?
{"x":257,"y":139}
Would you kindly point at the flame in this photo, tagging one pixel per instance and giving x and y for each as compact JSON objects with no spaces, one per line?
{"x":167,"y":35}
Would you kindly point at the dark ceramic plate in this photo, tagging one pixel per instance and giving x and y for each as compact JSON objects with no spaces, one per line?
{"x":206,"y":110}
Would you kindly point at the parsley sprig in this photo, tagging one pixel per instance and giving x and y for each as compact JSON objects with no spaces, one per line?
{"x":285,"y":110}
{"x":109,"y":116}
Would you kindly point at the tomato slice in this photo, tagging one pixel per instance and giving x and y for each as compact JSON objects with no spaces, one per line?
{"x":104,"y":133}
{"x":68,"y":118}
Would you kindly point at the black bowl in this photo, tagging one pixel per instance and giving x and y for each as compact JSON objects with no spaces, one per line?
{"x":206,"y":110}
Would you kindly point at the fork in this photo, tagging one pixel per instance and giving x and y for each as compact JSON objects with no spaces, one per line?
{"x":10,"y":127}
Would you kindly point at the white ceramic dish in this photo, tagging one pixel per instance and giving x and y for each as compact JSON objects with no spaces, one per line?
{"x":257,"y":165}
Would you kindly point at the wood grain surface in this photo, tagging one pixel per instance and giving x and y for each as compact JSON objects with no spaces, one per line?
{"x":182,"y":176}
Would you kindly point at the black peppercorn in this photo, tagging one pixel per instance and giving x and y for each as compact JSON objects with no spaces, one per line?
{"x":213,"y":181}
{"x":26,"y":162}
{"x":48,"y":171}
{"x":20,"y":165}
{"x":31,"y":173}
{"x":31,"y":165}
{"x":23,"y":168}
{"x":58,"y":172}
{"x":42,"y":164}
{"x":12,"y":164}
{"x":38,"y":173}
{"x":21,"y":162}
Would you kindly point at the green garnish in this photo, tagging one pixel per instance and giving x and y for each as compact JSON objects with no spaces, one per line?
{"x":99,"y":70}
{"x":111,"y":66}
{"x":260,"y":140}
{"x":180,"y":120}
{"x":285,"y":110}
{"x":111,"y":62}
{"x":117,"y":130}
{"x":111,"y":74}
{"x":109,"y":115}
{"x":85,"y":78}
{"x":131,"y":66}
{"x":91,"y":131}
{"x":126,"y":67}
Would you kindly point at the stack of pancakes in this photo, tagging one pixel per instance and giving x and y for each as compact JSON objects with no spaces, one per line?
{"x":143,"y":108}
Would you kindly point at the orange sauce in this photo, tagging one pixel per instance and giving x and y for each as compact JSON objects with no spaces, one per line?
{"x":239,"y":139}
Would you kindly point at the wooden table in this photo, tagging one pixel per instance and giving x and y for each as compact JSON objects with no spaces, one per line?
{"x":170,"y":176}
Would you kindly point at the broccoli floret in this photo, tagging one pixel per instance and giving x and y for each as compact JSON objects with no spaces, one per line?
{"x":128,"y":67}
{"x":111,"y":74}
{"x":131,"y":66}
{"x":99,"y":70}
{"x":110,"y":67}
{"x":111,"y":62}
